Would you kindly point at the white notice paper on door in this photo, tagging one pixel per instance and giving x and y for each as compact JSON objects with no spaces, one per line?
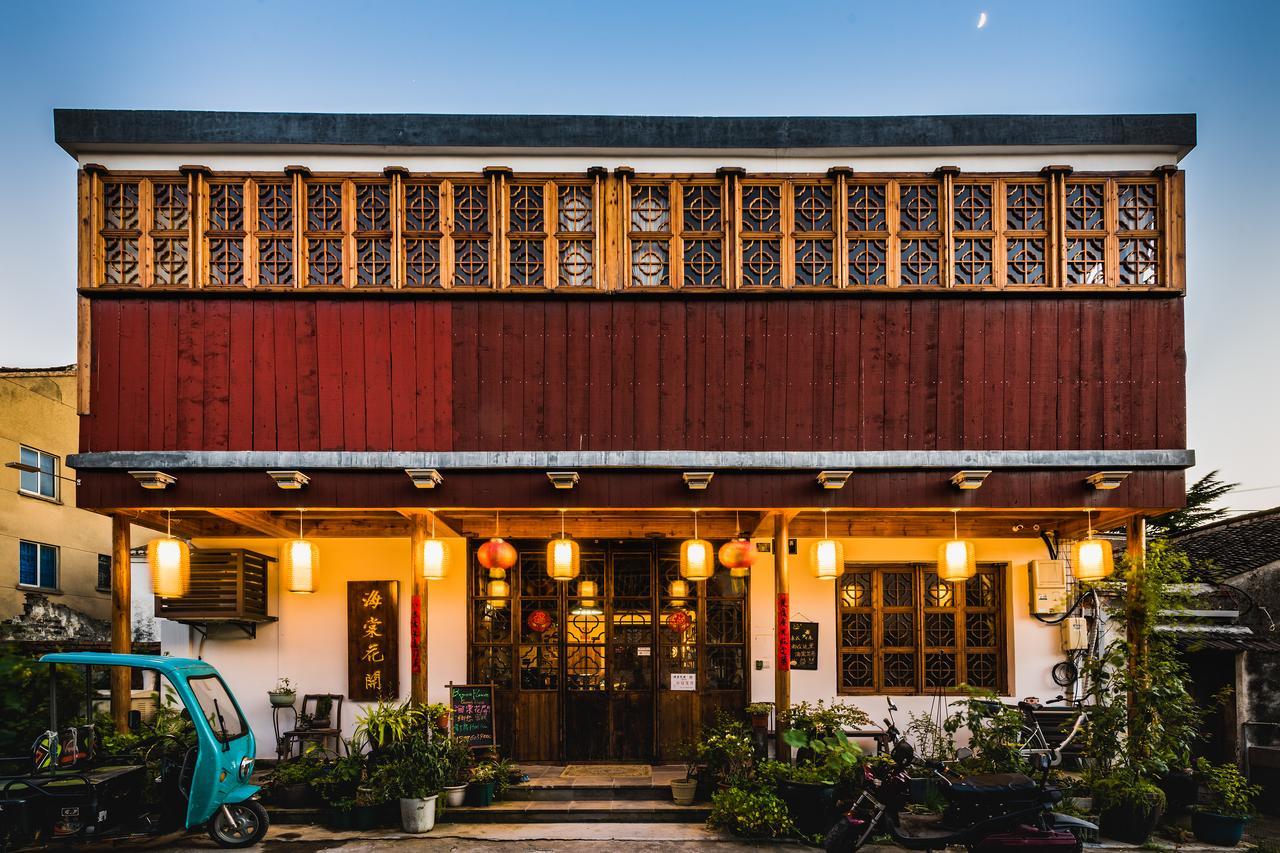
{"x":684,"y":681}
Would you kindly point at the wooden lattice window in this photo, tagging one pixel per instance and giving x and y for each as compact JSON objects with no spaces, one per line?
{"x":491,"y":625}
{"x":575,"y":231}
{"x":919,"y":233}
{"x":813,"y":234}
{"x":528,"y":234}
{"x":471,"y":232}
{"x":273,"y":232}
{"x":1112,"y":231}
{"x":421,"y":234}
{"x":373,"y":233}
{"x":763,"y":228}
{"x":868,"y":233}
{"x":702,"y":235}
{"x":974,"y":232}
{"x":170,"y":232}
{"x":225,"y":233}
{"x":1138,"y":235}
{"x":1026,"y":232}
{"x":121,"y":232}
{"x":323,"y":229}
{"x":650,"y":228}
{"x":903,"y":630}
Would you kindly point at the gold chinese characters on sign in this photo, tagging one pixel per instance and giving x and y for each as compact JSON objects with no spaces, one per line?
{"x":373,"y":651}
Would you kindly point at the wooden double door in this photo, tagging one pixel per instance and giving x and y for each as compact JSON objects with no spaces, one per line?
{"x":617,"y":664}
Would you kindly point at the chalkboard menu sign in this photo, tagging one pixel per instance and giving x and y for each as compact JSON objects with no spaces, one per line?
{"x":472,"y":716}
{"x":804,"y":645}
{"x":373,"y":641}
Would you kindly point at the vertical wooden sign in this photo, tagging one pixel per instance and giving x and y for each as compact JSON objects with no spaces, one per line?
{"x":373,"y":640}
{"x":784,"y":632}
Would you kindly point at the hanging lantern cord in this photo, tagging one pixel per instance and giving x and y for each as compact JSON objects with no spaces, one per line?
{"x":561,"y":524}
{"x":433,"y":524}
{"x":825,"y":510}
{"x":168,"y":523}
{"x":1089,"y":515}
{"x":955,"y":523}
{"x":496,"y":525}
{"x":299,"y":523}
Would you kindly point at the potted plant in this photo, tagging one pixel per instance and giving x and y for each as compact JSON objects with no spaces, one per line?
{"x":1223,"y":819}
{"x":413,"y":774}
{"x":457,"y":770}
{"x":809,"y":788}
{"x":822,"y":721}
{"x":759,"y":713}
{"x":292,"y":780}
{"x":726,"y":752}
{"x":283,"y":694}
{"x":932,"y":743}
{"x":337,"y":785}
{"x":480,"y":788}
{"x":1142,"y":720}
{"x":385,"y":723}
{"x":751,"y":812}
{"x":438,"y":714}
{"x":683,"y":791}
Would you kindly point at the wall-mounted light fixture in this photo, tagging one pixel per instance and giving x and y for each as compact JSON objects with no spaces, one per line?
{"x":563,"y":479}
{"x":1107,"y":480}
{"x":833,"y":479}
{"x":697,"y":480}
{"x":424,"y":478}
{"x":153,"y":479}
{"x":289,"y":479}
{"x":969,"y":480}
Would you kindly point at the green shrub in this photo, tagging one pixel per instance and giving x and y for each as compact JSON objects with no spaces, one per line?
{"x":1127,"y":789}
{"x":823,"y":720}
{"x":1230,"y":792}
{"x":752,"y":814}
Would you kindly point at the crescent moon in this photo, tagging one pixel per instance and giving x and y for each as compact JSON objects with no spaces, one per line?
{"x":982,"y":20}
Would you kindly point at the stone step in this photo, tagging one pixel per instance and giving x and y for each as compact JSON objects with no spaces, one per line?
{"x":542,"y":793}
{"x":533,"y":811}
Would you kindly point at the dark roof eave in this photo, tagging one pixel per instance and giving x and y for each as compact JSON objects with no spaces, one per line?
{"x":80,"y":131}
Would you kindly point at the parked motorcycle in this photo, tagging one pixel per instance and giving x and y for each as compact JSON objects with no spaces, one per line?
{"x":987,"y":813}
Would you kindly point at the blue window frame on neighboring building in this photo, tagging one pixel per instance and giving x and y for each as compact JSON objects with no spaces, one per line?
{"x":37,"y":565}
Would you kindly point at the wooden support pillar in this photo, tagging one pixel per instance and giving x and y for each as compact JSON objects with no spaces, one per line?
{"x":1136,"y":618}
{"x":121,"y":621}
{"x":782,"y":630}
{"x":419,"y":524}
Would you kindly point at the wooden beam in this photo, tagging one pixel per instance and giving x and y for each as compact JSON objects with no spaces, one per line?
{"x":782,"y":629}
{"x":259,"y":521}
{"x":443,"y":530}
{"x":419,"y":527}
{"x":121,"y":622}
{"x":1136,"y":625}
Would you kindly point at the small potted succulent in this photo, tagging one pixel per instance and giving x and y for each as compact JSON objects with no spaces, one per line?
{"x":684,"y":791}
{"x":322,"y":718}
{"x":1222,"y":820}
{"x":283,"y":694}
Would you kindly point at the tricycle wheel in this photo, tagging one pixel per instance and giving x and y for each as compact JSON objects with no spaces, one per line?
{"x":247,"y":824}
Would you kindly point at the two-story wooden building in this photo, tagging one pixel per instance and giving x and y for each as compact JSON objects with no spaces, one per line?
{"x":886,"y":333}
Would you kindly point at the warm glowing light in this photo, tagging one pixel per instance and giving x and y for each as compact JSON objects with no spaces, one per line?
{"x":300,"y":563}
{"x":695,"y":560}
{"x":828,"y":559}
{"x":563,"y":559}
{"x":1092,"y":559}
{"x":738,"y":555}
{"x":170,"y":563}
{"x":956,"y":561}
{"x":433,"y":559}
{"x":497,"y":588}
{"x":679,"y":591}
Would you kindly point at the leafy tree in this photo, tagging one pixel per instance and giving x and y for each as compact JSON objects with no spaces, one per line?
{"x":1200,"y":509}
{"x":24,"y":699}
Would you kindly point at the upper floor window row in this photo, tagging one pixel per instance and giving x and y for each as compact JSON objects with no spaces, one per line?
{"x":623,"y":231}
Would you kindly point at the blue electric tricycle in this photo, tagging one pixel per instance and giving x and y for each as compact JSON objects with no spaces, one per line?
{"x":195,"y":775}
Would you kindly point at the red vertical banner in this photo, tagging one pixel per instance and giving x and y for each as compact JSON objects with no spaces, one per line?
{"x":415,"y":635}
{"x":784,"y":632}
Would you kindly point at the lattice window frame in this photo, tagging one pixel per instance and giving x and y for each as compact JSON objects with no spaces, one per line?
{"x":221,"y":232}
{"x":409,"y":191}
{"x":136,"y":233}
{"x":920,"y":609}
{"x":312,"y":235}
{"x":1165,"y":233}
{"x":366,"y":235}
{"x":904,"y":237}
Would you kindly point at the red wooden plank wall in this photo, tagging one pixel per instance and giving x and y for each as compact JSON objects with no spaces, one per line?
{"x":751,"y":374}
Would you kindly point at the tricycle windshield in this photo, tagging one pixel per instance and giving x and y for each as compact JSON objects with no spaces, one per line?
{"x":217,"y":707}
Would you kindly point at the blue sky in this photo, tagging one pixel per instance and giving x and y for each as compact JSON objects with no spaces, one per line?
{"x":1217,"y":59}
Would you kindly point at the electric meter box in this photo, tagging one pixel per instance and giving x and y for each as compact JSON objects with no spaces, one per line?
{"x":1048,"y":585}
{"x":1075,"y":634}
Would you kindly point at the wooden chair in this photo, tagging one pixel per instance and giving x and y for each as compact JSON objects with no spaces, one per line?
{"x":322,"y":734}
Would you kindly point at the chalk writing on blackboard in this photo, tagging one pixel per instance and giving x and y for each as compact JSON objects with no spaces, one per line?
{"x":472,"y":717}
{"x":804,"y":645}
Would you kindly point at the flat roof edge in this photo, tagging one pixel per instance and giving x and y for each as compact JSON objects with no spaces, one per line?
{"x":84,"y":130}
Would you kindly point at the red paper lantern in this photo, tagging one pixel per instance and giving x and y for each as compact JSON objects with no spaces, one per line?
{"x":738,"y":555}
{"x":680,"y":621}
{"x":497,"y":553}
{"x":538,"y":621}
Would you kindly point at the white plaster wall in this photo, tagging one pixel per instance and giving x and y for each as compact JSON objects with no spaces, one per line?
{"x":308,"y":643}
{"x":1033,"y":646}
{"x":781,"y":161}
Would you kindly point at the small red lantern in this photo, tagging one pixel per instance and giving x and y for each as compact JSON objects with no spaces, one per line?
{"x":539,"y":621}
{"x":680,"y":621}
{"x":738,"y":555}
{"x":497,"y":553}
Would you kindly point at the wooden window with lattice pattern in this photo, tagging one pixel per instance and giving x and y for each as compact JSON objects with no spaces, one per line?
{"x":712,"y":233}
{"x":903,"y":630}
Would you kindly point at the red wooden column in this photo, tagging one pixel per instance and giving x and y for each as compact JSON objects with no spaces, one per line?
{"x":121,"y":622}
{"x":418,"y":523}
{"x":782,"y":630}
{"x":1135,"y":553}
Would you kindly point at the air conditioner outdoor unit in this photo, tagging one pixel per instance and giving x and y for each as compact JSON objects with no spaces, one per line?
{"x":1048,"y":586}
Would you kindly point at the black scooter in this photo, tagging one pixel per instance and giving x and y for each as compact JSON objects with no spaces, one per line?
{"x":992,"y":813}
